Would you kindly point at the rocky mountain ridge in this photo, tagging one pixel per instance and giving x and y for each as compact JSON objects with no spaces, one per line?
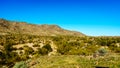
{"x":25,"y":28}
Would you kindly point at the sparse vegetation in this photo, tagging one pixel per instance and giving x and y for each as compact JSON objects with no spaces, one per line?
{"x":12,"y":52}
{"x":66,"y":51}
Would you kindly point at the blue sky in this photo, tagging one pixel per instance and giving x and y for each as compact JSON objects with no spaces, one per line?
{"x":91,"y":17}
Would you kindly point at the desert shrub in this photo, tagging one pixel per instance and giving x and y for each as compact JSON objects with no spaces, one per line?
{"x":36,"y":45}
{"x":1,"y":54}
{"x":30,"y":40}
{"x":45,"y":49}
{"x":25,"y":45}
{"x":48,"y":47}
{"x":21,"y":52}
{"x":24,"y":57}
{"x":21,"y":64}
{"x":28,"y":50}
{"x":102,"y":51}
{"x":21,"y":48}
{"x":14,"y":48}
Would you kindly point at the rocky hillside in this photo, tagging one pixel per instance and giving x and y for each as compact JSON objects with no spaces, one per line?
{"x":25,"y":28}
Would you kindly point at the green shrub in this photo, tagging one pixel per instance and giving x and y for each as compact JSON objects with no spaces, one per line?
{"x":102,"y":51}
{"x":21,"y":64}
{"x":48,"y":47}
{"x":36,"y":45}
{"x":45,"y":49}
{"x":24,"y":57}
{"x":21,"y":48}
{"x":28,"y":50}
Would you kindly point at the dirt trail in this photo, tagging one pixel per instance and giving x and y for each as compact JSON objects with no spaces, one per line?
{"x":54,"y":49}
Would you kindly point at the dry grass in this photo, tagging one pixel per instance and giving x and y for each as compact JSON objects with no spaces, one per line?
{"x":74,"y":61}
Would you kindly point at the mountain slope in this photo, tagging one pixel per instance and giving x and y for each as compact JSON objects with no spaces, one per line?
{"x":25,"y":28}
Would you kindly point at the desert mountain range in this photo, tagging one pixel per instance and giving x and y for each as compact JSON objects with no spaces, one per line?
{"x":7,"y":26}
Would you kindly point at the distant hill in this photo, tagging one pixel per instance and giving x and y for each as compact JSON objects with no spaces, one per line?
{"x":32,"y":29}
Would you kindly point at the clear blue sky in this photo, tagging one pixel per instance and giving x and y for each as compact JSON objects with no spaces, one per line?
{"x":91,"y":17}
